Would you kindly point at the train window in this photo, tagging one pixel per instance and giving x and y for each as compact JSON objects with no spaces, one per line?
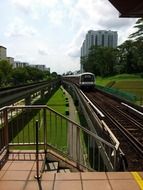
{"x":87,"y":78}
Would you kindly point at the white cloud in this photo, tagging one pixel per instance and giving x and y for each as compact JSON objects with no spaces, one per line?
{"x":25,"y":6}
{"x":51,"y":32}
{"x":34,"y":8}
{"x":56,"y":17}
{"x":42,"y":51}
{"x":34,"y":3}
{"x":18,"y":28}
{"x":74,"y":47}
{"x":67,"y":2}
{"x":97,"y":15}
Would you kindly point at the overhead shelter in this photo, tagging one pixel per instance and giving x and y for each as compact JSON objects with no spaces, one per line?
{"x":129,"y":8}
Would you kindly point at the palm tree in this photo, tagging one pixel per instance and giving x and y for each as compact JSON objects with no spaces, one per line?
{"x":138,"y":35}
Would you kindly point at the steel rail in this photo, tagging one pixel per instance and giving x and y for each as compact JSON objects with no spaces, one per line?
{"x":138,"y":145}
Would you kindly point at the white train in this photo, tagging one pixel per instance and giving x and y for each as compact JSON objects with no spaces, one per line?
{"x":86,"y":81}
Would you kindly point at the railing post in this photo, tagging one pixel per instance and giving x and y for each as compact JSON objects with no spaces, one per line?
{"x":99,"y":159}
{"x":115,"y":159}
{"x":45,"y":131}
{"x":37,"y":176}
{"x":78,"y":146}
{"x":6,"y":136}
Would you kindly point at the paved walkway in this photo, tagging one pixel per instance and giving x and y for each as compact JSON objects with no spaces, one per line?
{"x":72,"y":108}
{"x":72,"y":131}
{"x":19,"y":175}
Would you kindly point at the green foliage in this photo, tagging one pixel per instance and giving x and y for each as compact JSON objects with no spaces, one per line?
{"x":19,"y":76}
{"x":101,"y":61}
{"x":141,"y":75}
{"x":139,"y":33}
{"x":131,"y":56}
{"x":5,"y":72}
{"x":54,"y":75}
{"x":15,"y":76}
{"x":34,"y":74}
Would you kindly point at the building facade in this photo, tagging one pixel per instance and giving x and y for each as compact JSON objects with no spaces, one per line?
{"x":17,"y":64}
{"x":11,"y":60}
{"x":20,"y":64}
{"x":101,"y":38}
{"x":40,"y":67}
{"x":3,"y":53}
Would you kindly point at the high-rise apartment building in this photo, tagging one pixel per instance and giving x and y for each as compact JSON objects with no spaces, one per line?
{"x":3,"y":53}
{"x":11,"y":60}
{"x":102,"y":38}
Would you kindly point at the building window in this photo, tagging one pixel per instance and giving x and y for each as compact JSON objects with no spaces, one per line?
{"x":92,"y":40}
{"x":102,"y":39}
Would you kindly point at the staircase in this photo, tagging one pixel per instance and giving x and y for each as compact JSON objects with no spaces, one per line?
{"x":57,"y":163}
{"x":62,"y":144}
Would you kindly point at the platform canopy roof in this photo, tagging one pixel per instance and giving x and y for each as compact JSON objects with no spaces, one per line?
{"x":129,"y":8}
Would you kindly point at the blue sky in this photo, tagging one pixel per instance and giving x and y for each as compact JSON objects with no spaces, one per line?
{"x":51,"y":32}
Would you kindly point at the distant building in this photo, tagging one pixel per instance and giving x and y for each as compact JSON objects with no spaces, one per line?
{"x":11,"y":60}
{"x":3,"y":53}
{"x":102,"y":38}
{"x":40,"y":67}
{"x":20,"y":64}
{"x":48,"y":69}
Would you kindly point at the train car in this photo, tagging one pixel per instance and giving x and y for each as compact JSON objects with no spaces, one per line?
{"x":87,"y":81}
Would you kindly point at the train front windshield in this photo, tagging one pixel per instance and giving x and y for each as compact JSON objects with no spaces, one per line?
{"x":87,"y":78}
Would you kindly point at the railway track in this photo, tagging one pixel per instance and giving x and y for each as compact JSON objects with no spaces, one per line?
{"x":126,"y":125}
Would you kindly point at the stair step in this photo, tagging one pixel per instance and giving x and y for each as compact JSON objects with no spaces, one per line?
{"x":53,"y":166}
{"x":64,"y":171}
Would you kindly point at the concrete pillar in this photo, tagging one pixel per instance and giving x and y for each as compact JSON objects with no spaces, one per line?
{"x":42,"y":94}
{"x":28,"y":100}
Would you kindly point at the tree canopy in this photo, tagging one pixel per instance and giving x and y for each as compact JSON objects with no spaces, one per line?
{"x":126,"y":58}
{"x":16,"y":76}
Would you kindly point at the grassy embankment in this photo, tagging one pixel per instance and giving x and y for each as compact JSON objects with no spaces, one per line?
{"x":56,"y":129}
{"x":58,"y":102}
{"x":130,"y":84}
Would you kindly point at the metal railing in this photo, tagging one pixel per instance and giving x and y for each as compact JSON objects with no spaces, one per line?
{"x":17,"y":131}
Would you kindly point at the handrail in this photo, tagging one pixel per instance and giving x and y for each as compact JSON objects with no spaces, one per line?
{"x":74,"y":123}
{"x":10,"y":96}
{"x":53,"y":125}
{"x":117,"y":143}
{"x":92,"y":121}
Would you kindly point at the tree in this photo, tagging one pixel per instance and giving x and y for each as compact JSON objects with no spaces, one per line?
{"x":138,"y":64}
{"x":6,"y":71}
{"x":1,"y":78}
{"x":54,"y":75}
{"x":130,"y":56}
{"x":139,"y":33}
{"x":34,"y":74}
{"x":46,"y":74}
{"x":19,"y":76}
{"x":101,"y":61}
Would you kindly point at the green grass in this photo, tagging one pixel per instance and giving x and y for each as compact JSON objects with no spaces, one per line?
{"x":56,"y":127}
{"x":57,"y":131}
{"x":130,"y":84}
{"x":58,"y":101}
{"x":122,"y":77}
